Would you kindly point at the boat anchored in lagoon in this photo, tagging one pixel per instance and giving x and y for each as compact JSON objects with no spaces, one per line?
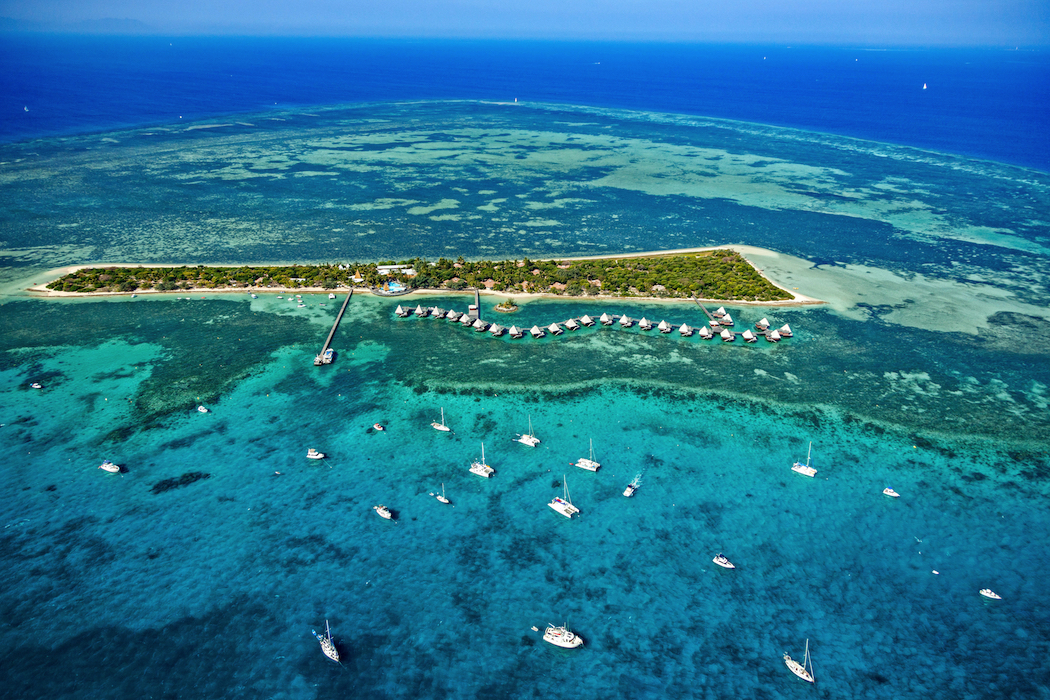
{"x":564,"y":505}
{"x":441,"y":496}
{"x":989,"y":593}
{"x":724,"y":562}
{"x":383,"y":512}
{"x":528,"y":438}
{"x":327,"y":645}
{"x":633,"y":486}
{"x":588,"y":463}
{"x":110,"y":467}
{"x":805,"y":469}
{"x":479,"y":467}
{"x":314,"y":454}
{"x":800,"y":670}
{"x":890,"y":492}
{"x":441,"y":426}
{"x":562,"y":637}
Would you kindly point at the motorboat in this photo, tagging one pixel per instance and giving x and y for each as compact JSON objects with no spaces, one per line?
{"x":441,"y":426}
{"x":528,"y":438}
{"x":562,"y":637}
{"x":110,"y":467}
{"x":891,"y":493}
{"x":379,"y":427}
{"x":801,"y":670}
{"x":989,"y":593}
{"x":327,"y":645}
{"x":805,"y":469}
{"x":633,"y":486}
{"x":36,"y":385}
{"x":314,"y":454}
{"x":724,"y":562}
{"x":479,"y":467}
{"x":383,"y":512}
{"x":588,"y":463}
{"x":202,"y":409}
{"x":564,"y":505}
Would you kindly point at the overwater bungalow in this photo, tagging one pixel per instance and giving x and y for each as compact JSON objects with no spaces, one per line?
{"x":645,"y":324}
{"x":626,"y":321}
{"x":480,"y":326}
{"x":515,"y":332}
{"x":536,"y":332}
{"x":706,"y":333}
{"x":453,"y":315}
{"x":785,"y":331}
{"x":421,"y":312}
{"x":720,"y":312}
{"x":606,"y":320}
{"x":664,"y":327}
{"x":748,"y":336}
{"x":685,"y":330}
{"x":438,"y":312}
{"x":586,"y":320}
{"x":466,"y":319}
{"x":727,"y":335}
{"x":497,"y":330}
{"x":401,"y":311}
{"x":773,"y":337}
{"x":555,"y":329}
{"x":762,"y":325}
{"x":727,"y":320}
{"x":572,"y":325}
{"x":715,"y":325}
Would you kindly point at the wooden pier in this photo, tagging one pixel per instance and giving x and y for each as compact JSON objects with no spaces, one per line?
{"x":325,"y":358}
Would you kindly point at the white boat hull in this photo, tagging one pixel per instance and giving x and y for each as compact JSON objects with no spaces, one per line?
{"x":530,"y":440}
{"x":560,"y":505}
{"x":562,"y":637}
{"x":797,"y":669}
{"x":804,"y":470}
{"x":629,"y":491}
{"x":588,"y":464}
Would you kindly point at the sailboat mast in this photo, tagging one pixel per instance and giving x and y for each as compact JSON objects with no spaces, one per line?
{"x":808,"y":454}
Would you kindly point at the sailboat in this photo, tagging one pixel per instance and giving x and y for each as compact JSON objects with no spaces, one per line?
{"x":528,"y":438}
{"x":442,"y":496}
{"x":588,"y":462}
{"x":479,"y":467}
{"x":441,"y":426}
{"x":564,"y":505}
{"x":805,"y":469}
{"x":327,"y":645}
{"x":800,"y":670}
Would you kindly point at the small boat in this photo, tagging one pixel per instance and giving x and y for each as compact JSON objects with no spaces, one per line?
{"x":202,"y":409}
{"x":891,"y":493}
{"x":664,"y":327}
{"x":633,"y":486}
{"x":626,"y":321}
{"x":528,"y":438}
{"x":441,"y":426}
{"x":301,"y":306}
{"x":645,"y":324}
{"x":562,"y":637}
{"x":327,"y":645}
{"x":564,"y":505}
{"x":441,"y":497}
{"x":724,"y":562}
{"x":588,"y":463}
{"x":278,"y":296}
{"x":923,"y":87}
{"x":762,"y":325}
{"x":108,"y":466}
{"x":324,"y":358}
{"x":586,"y":320}
{"x":331,"y":295}
{"x":36,"y":385}
{"x":536,"y":332}
{"x":800,"y":670}
{"x":479,"y":467}
{"x":989,"y":593}
{"x":314,"y":454}
{"x":383,"y":512}
{"x":805,"y":469}
{"x":378,"y":427}
{"x":606,"y":320}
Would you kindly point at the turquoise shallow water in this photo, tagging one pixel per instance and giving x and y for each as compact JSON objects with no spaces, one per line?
{"x":213,"y":587}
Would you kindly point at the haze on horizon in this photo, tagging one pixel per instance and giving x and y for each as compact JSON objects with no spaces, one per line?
{"x":1006,"y":23}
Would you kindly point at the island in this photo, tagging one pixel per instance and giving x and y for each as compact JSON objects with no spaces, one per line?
{"x":718,"y":274}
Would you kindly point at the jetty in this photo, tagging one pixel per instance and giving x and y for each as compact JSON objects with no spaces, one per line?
{"x":325,"y":357}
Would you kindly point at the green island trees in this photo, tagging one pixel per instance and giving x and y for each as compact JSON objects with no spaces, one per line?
{"x":715,"y":274}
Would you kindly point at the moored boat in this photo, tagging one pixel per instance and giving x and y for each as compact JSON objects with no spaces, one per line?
{"x":723,"y":561}
{"x":441,"y":496}
{"x":110,"y":467}
{"x":562,"y":637}
{"x":479,"y":467}
{"x":528,"y":438}
{"x":441,"y":426}
{"x":383,"y":512}
{"x":891,"y":493}
{"x":801,"y":670}
{"x":564,"y":504}
{"x":202,"y":409}
{"x":588,"y":463}
{"x":989,"y":593}
{"x":314,"y":454}
{"x":327,"y":645}
{"x":378,"y":427}
{"x":633,"y":486}
{"x":805,"y":469}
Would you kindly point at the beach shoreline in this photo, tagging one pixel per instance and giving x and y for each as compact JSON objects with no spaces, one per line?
{"x":41,"y":290}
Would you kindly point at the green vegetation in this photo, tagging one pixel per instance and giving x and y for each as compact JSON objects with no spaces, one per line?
{"x":718,"y":274}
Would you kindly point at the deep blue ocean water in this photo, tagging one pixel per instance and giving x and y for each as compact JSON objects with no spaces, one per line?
{"x":142,"y":585}
{"x":990,"y":104}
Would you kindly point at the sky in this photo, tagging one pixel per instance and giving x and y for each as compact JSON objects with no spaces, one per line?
{"x":1005,"y":23}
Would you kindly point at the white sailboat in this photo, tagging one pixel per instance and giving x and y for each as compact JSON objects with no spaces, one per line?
{"x":441,"y":496}
{"x":564,"y":505}
{"x":562,"y":637}
{"x":803,"y":670}
{"x":805,"y":469}
{"x":588,"y":463}
{"x":441,"y":426}
{"x":479,"y":467}
{"x":528,"y":438}
{"x":327,"y":645}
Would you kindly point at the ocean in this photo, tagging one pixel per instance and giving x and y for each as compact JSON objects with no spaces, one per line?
{"x":199,"y":571}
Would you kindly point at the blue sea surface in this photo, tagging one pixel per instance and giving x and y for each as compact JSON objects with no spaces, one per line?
{"x":986,"y":103}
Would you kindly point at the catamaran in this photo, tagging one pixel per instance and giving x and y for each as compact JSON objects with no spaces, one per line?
{"x":805,"y":469}
{"x":528,"y":438}
{"x":479,"y":467}
{"x":800,"y":670}
{"x":564,"y":505}
{"x":441,"y":426}
{"x":588,"y":463}
{"x":562,"y":637}
{"x":327,"y":645}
